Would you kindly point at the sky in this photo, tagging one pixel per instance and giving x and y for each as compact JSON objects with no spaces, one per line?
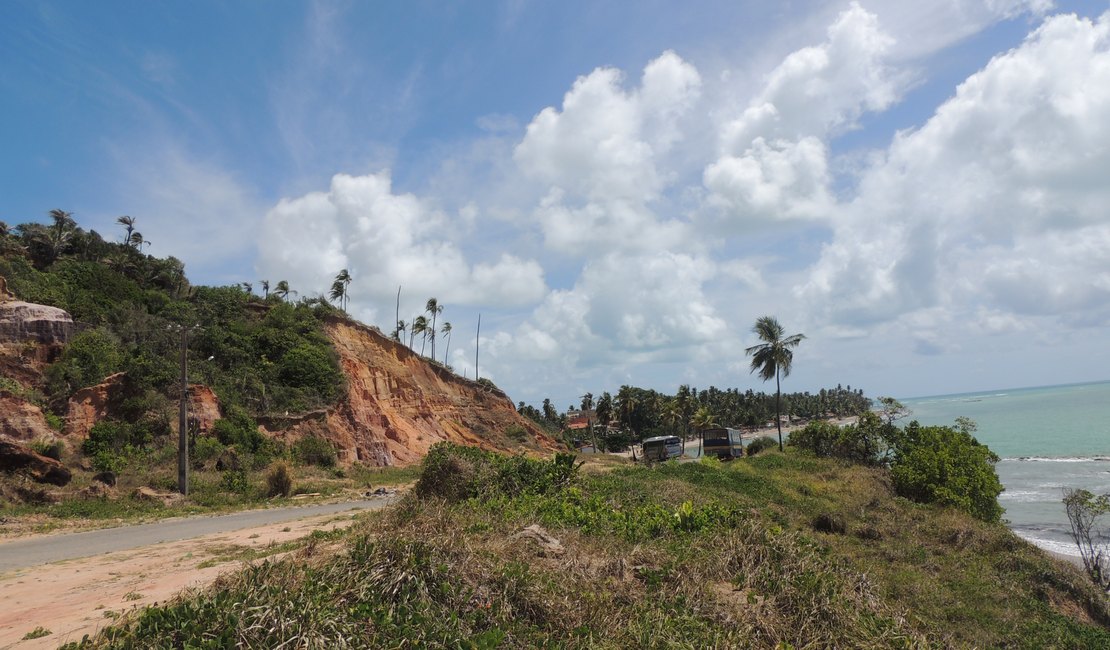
{"x":619,"y":189}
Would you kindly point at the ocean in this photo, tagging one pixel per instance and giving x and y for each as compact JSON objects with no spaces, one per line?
{"x":1048,"y":438}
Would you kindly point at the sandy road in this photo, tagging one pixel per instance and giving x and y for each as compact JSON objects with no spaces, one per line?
{"x":92,"y":577}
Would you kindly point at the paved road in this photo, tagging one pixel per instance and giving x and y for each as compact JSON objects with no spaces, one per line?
{"x":19,"y":554}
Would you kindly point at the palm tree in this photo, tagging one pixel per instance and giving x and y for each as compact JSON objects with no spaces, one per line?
{"x":434,"y":308}
{"x":401,"y":328}
{"x":282,"y":289}
{"x":129,"y":223}
{"x":339,"y":289}
{"x":247,"y":286}
{"x":703,"y":419}
{"x":773,"y":358}
{"x":136,"y":240}
{"x":446,"y":331}
{"x":420,"y":326}
{"x":265,"y":288}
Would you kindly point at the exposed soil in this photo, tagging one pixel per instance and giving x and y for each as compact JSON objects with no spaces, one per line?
{"x":78,"y":597}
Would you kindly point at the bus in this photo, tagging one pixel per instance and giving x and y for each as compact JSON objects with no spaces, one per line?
{"x":722,"y":442}
{"x":662,"y":448}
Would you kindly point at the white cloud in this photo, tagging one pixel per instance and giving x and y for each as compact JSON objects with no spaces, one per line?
{"x":774,"y":160}
{"x":997,"y":202}
{"x":385,"y":240}
{"x":601,"y":157}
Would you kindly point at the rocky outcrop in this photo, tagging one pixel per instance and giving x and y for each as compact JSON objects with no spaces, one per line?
{"x":398,"y":405}
{"x":21,"y":420}
{"x":15,"y":457}
{"x":90,"y":405}
{"x":23,"y":321}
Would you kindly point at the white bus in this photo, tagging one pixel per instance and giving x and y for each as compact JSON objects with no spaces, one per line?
{"x":662,"y":448}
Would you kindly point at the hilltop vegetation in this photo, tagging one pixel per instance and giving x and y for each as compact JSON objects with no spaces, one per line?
{"x":773,"y":551}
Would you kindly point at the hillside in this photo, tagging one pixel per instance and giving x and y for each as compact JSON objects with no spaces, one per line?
{"x":774,"y":551}
{"x":90,"y":335}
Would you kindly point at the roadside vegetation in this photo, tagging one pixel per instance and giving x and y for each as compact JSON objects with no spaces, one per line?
{"x":771,"y":551}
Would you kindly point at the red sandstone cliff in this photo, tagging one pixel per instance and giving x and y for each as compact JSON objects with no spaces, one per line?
{"x":398,"y":405}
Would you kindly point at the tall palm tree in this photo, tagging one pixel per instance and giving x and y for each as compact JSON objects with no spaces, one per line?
{"x":129,"y":223}
{"x":420,"y":326}
{"x":339,"y":289}
{"x":703,"y":419}
{"x":399,"y":331}
{"x":265,"y":288}
{"x":446,"y":331}
{"x":773,"y":358}
{"x":282,"y":289}
{"x":434,"y":308}
{"x":247,"y":286}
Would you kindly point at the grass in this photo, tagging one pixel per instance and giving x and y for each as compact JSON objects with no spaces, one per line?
{"x":688,"y":556}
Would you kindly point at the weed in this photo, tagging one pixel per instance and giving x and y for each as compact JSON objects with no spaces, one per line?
{"x":37,"y":633}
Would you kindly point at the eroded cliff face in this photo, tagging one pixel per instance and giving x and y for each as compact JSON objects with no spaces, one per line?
{"x":21,"y":420}
{"x":398,"y":405}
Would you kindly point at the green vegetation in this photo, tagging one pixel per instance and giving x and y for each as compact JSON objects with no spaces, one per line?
{"x":942,"y":465}
{"x":1085,"y":510}
{"x":37,"y":633}
{"x":772,"y":551}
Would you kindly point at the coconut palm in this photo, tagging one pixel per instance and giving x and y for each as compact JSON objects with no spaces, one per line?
{"x":129,"y":223}
{"x":703,"y":419}
{"x":434,"y":308}
{"x":247,"y":286}
{"x":282,"y":290}
{"x":446,"y":331}
{"x":399,"y":331}
{"x":339,"y":289}
{"x":265,"y":288}
{"x":136,"y":239}
{"x":773,"y":358}
{"x":420,"y":326}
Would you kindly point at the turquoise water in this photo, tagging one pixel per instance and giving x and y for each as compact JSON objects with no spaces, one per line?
{"x":1048,"y":438}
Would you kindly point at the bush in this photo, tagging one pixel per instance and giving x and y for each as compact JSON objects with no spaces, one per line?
{"x":312,"y":450}
{"x":456,"y":473}
{"x":235,"y":480}
{"x":761,"y":443}
{"x":48,"y":448}
{"x":205,"y":449}
{"x":949,"y":467}
{"x":279,"y":481}
{"x":114,"y":436}
{"x":238,"y":429}
{"x":865,"y":442}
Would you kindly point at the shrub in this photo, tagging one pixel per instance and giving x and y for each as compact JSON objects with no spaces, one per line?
{"x":761,"y":443}
{"x":865,"y":442}
{"x":114,"y":436}
{"x":949,"y":467}
{"x":312,"y":450}
{"x":456,"y":473}
{"x":237,"y":428}
{"x":279,"y":481}
{"x":53,"y":421}
{"x":205,"y":449}
{"x":48,"y":448}
{"x":235,"y":480}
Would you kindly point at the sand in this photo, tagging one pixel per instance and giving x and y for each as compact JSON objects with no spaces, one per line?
{"x":78,"y":597}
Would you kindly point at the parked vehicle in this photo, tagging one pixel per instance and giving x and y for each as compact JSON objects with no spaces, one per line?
{"x":662,"y":448}
{"x":722,"y":442}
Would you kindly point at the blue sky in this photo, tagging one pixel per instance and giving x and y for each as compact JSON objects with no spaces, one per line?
{"x":620,"y":189}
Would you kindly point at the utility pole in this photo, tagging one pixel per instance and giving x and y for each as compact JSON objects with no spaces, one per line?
{"x":182,"y":414}
{"x":182,"y":438}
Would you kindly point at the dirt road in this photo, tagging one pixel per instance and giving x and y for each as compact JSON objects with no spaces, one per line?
{"x":93,"y":577}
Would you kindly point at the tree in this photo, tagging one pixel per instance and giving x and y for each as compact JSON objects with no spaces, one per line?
{"x":892,"y":410}
{"x":420,"y":326}
{"x":247,"y":286}
{"x":587,"y":401}
{"x":282,"y":289}
{"x":129,"y":223}
{"x":399,"y":331}
{"x":434,"y":308}
{"x":703,"y":419}
{"x":446,"y":331}
{"x":339,"y":289}
{"x":773,"y":358}
{"x":136,"y":239}
{"x":265,"y":288}
{"x":1084,"y":510}
{"x":605,"y":409}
